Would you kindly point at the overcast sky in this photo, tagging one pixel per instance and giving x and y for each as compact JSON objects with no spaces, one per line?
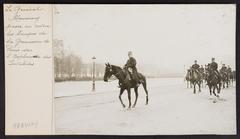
{"x":162,"y":36}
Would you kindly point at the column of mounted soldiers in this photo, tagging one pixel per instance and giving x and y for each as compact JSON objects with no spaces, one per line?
{"x":225,"y":75}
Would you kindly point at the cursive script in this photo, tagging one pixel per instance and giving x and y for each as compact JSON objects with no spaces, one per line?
{"x":27,"y":32}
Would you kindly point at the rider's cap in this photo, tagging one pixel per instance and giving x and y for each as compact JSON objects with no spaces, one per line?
{"x":213,"y":58}
{"x":195,"y":60}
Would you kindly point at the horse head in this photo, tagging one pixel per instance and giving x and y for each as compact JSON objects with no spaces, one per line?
{"x":108,"y":72}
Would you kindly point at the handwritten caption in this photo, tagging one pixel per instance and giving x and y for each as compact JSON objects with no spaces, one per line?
{"x":27,"y":32}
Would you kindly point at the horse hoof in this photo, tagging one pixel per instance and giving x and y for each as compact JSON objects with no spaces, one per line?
{"x":133,"y":106}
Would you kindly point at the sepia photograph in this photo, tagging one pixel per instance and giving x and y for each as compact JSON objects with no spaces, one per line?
{"x":144,"y":69}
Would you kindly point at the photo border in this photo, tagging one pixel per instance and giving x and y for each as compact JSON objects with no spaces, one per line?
{"x":2,"y":75}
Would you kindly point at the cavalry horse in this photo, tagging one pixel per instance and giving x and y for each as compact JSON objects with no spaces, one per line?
{"x":231,"y":77}
{"x":187,"y":78}
{"x":225,"y":78}
{"x":213,"y":82}
{"x":125,"y":84}
{"x":195,"y":79}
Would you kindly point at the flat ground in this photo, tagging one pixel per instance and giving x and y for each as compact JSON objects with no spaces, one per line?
{"x":172,"y":109}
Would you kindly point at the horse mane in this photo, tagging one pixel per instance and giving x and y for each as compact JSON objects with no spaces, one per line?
{"x":116,"y":67}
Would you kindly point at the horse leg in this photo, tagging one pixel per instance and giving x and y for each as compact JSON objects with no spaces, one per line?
{"x":129,"y":98}
{"x":145,"y":89}
{"x":199,"y":87}
{"x":194,"y":88}
{"x":214,"y":90}
{"x":210,"y":89}
{"x":121,"y":92}
{"x":219,"y":87}
{"x":136,"y":95}
{"x":214,"y":87}
{"x":217,"y":90}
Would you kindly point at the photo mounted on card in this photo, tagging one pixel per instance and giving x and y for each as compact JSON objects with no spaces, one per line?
{"x":120,"y":69}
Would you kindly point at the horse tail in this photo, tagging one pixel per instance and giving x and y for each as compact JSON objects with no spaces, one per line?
{"x":144,"y":83}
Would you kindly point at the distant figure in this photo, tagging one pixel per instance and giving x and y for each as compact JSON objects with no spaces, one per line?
{"x":201,"y":69}
{"x":229,"y":70}
{"x":195,"y":76}
{"x":224,"y":75}
{"x":230,"y":74}
{"x":187,"y":77}
{"x":206,"y":68}
{"x":214,"y":67}
{"x":195,"y":66}
{"x":202,"y":72}
{"x":130,"y":67}
{"x":223,"y":70}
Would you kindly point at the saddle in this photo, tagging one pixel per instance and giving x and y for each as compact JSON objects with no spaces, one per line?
{"x":129,"y":77}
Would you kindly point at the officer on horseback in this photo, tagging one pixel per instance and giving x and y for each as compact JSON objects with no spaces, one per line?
{"x":195,"y":66}
{"x":214,"y":67}
{"x":223,"y":69}
{"x":131,"y":65}
{"x":229,"y":70}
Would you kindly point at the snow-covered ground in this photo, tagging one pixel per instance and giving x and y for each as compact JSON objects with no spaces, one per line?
{"x":172,"y":109}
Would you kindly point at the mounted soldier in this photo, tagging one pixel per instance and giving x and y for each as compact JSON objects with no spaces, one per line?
{"x":229,"y":70}
{"x":223,"y":70}
{"x":206,"y":68}
{"x":213,"y":78}
{"x":196,"y":67}
{"x":201,"y":69}
{"x":131,"y":70}
{"x":214,"y":67}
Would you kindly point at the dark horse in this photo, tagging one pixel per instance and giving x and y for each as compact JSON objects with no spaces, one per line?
{"x":231,"y":77}
{"x":121,"y":74}
{"x":225,"y":79}
{"x":213,"y":82}
{"x":187,"y":78}
{"x":195,"y":78}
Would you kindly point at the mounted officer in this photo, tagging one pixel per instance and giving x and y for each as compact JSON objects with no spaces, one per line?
{"x":206,"y":67}
{"x":229,"y":70}
{"x":131,"y":70}
{"x":196,"y":67}
{"x":223,"y":70}
{"x":214,"y":67}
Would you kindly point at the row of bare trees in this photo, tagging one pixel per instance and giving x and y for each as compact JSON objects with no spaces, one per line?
{"x":68,"y":66}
